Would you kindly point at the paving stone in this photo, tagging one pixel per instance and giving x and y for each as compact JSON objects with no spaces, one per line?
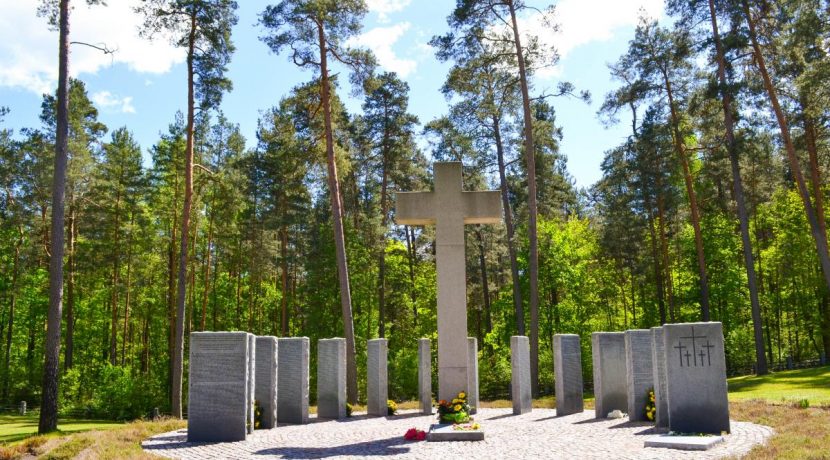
{"x":538,"y":434}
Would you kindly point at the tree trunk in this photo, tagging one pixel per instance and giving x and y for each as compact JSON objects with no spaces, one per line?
{"x":337,"y":223}
{"x":49,"y":404}
{"x":69,"y":349}
{"x":485,"y":287}
{"x":410,"y":253}
{"x":533,"y":257}
{"x":815,"y":228}
{"x":738,"y":188}
{"x":693,"y":207}
{"x":178,"y":351}
{"x":206,"y":275}
{"x":511,"y":232}
{"x":384,"y":209}
{"x":284,"y":264}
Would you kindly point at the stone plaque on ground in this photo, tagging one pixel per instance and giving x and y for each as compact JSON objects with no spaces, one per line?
{"x":567,"y":370}
{"x":658,"y":362}
{"x":266,"y":380}
{"x":608,"y":357}
{"x":447,"y":432}
{"x":218,"y":387}
{"x":520,"y":378}
{"x":639,"y":372}
{"x":696,"y":378}
{"x":251,"y":381}
{"x":425,"y":376}
{"x":331,"y":378}
{"x":377,"y":379}
{"x":449,"y":208}
{"x":292,"y":380}
{"x":472,"y":374}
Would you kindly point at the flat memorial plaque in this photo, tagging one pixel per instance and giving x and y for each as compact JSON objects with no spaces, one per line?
{"x":684,"y":442}
{"x":446,"y":432}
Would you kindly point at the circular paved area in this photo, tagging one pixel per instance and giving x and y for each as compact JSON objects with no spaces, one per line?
{"x":538,"y":434}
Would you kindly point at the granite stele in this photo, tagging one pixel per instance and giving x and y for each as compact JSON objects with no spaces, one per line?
{"x":520,"y":378}
{"x":292,"y":380}
{"x":251,"y":383}
{"x":696,"y":378}
{"x":472,"y":374}
{"x":266,"y":380}
{"x":567,"y":370}
{"x":639,"y":372}
{"x":377,"y":378}
{"x":658,"y":361}
{"x":218,"y":386}
{"x":449,"y":208}
{"x":425,"y":376}
{"x":608,"y":355}
{"x":331,"y":378}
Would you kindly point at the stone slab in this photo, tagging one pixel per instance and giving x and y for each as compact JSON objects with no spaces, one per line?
{"x":218,"y":406}
{"x":472,"y":374}
{"x":684,"y":442}
{"x":331,"y":378}
{"x":567,"y":369}
{"x":251,"y":382}
{"x":639,"y":372}
{"x":265,"y":393}
{"x":658,"y":362}
{"x":377,"y":378}
{"x":520,"y":376}
{"x":425,"y":375}
{"x":608,"y":357}
{"x":292,"y":380}
{"x":444,"y":432}
{"x":696,"y":378}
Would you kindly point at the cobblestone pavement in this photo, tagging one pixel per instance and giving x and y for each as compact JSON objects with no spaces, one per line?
{"x":538,"y":434}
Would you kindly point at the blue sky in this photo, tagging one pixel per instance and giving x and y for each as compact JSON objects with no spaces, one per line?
{"x":143,"y":84}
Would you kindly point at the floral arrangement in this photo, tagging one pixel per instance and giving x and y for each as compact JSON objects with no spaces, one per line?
{"x":455,"y":411}
{"x":467,"y":427}
{"x":257,"y":415}
{"x":414,"y":434}
{"x":651,"y":407}
{"x":391,"y":407}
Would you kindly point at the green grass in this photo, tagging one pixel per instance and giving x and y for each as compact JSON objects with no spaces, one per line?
{"x":17,"y":427}
{"x":787,"y":387}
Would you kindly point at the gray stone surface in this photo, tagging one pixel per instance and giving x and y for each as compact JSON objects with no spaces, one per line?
{"x":520,"y":377}
{"x":251,"y":381}
{"x":658,"y":362}
{"x":608,"y":357}
{"x":331,"y":378}
{"x":265,"y":393}
{"x":292,"y":380}
{"x":446,"y":432}
{"x":425,"y":375}
{"x":218,"y":387}
{"x":684,"y":442}
{"x":696,"y":376}
{"x":639,"y":372}
{"x":472,"y":374}
{"x":377,"y":378}
{"x":449,"y":208}
{"x":567,"y":369}
{"x":536,"y":435}
{"x":21,"y":408}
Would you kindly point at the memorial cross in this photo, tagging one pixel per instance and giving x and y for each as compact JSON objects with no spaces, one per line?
{"x":449,"y":208}
{"x":694,"y":345}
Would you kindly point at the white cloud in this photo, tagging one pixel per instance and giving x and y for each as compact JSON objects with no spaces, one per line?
{"x":28,"y":51}
{"x":384,"y":7}
{"x":585,"y":21}
{"x":107,"y":100}
{"x":380,"y":41}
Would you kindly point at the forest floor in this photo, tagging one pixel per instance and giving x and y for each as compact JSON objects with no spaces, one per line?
{"x":795,"y":403}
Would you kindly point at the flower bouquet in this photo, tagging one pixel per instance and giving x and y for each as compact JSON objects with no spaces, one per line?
{"x":455,"y":411}
{"x":651,"y":408}
{"x":414,"y":434}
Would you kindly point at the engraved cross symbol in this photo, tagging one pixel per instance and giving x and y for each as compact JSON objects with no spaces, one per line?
{"x":680,"y":347}
{"x":708,"y":348}
{"x":693,"y":338}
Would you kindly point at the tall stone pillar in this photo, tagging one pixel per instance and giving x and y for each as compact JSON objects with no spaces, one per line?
{"x":377,"y":378}
{"x":425,"y":376}
{"x":567,"y":369}
{"x":639,"y":372}
{"x":472,"y":374}
{"x":292,"y":380}
{"x":520,"y":378}
{"x":658,"y":361}
{"x":266,"y":380}
{"x":331,"y":378}
{"x":608,"y":356}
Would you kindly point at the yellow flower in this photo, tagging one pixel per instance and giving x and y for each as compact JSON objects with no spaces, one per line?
{"x":462,"y":395}
{"x":457,"y":407}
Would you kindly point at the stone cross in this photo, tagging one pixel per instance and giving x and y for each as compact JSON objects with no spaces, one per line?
{"x":449,"y":208}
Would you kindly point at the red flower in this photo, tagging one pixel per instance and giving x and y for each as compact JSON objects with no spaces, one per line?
{"x":414,"y":434}
{"x":421,"y":435}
